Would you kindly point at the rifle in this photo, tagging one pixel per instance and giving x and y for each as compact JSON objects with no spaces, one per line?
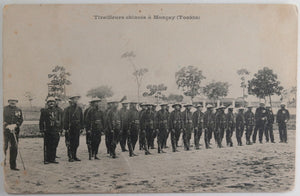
{"x":13,"y":132}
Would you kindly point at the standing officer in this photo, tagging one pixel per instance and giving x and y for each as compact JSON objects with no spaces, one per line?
{"x":240,"y":125}
{"x":86,"y":126}
{"x":94,"y":127}
{"x":282,"y":118}
{"x":144,"y":133}
{"x":230,"y":125}
{"x":124,"y":125}
{"x":113,"y":128}
{"x":162,"y":127}
{"x":187,"y":117}
{"x":220,"y":125}
{"x":134,"y":127}
{"x":50,"y":126}
{"x":260,"y":121}
{"x":73,"y":124}
{"x":269,"y":125}
{"x":166,"y":139}
{"x":149,"y":120}
{"x":176,"y":125}
{"x":12,"y":120}
{"x":198,"y":125}
{"x":209,"y":125}
{"x":61,"y":111}
{"x":249,"y":122}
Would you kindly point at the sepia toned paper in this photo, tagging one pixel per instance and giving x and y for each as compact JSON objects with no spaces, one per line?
{"x":104,"y":45}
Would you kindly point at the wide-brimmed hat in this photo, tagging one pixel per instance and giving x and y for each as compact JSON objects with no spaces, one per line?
{"x":95,"y":99}
{"x":198,"y":105}
{"x":13,"y":99}
{"x":188,"y":105}
{"x":175,"y":104}
{"x":209,"y":106}
{"x":282,"y":104}
{"x":241,"y":108}
{"x":163,"y":104}
{"x":74,"y":96}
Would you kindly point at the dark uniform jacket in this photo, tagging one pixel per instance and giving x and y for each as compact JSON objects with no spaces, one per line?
{"x":95,"y":120}
{"x":198,"y":119}
{"x":221,"y":120}
{"x":187,"y":118}
{"x":230,"y":121}
{"x":124,"y":119}
{"x":51,"y":119}
{"x":12,"y":115}
{"x":270,"y":117}
{"x":73,"y":117}
{"x":148,"y":119}
{"x":249,"y":118}
{"x":175,"y":120}
{"x":282,"y":115}
{"x":209,"y":119}
{"x":260,"y":115}
{"x":113,"y":120}
{"x":133,"y":119}
{"x":162,"y":119}
{"x":142,"y":119}
{"x":240,"y":121}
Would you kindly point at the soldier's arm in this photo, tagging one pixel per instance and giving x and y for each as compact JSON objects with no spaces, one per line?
{"x":66,"y":119}
{"x":20,"y":120}
{"x":42,"y":120}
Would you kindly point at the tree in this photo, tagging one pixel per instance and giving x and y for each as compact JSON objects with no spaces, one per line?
{"x":216,"y":90}
{"x":100,"y":92}
{"x":188,"y":79}
{"x":58,"y":82}
{"x":156,"y":91}
{"x":243,"y":73}
{"x":30,"y":97}
{"x":138,"y":72}
{"x":264,"y":84}
{"x":175,"y":98}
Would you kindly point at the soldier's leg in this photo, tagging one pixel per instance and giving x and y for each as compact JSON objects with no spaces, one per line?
{"x":13,"y":151}
{"x":230,"y":136}
{"x":285,"y":132}
{"x":267,"y":132}
{"x":173,"y":140}
{"x":159,"y":141}
{"x":237,"y":132}
{"x":261,"y":132}
{"x":6,"y":140}
{"x":189,"y":136}
{"x":52,"y":146}
{"x":206,"y":137}
{"x":177,"y":134}
{"x":129,"y":144}
{"x":254,"y":134}
{"x":280,"y":130}
{"x":166,"y":139}
{"x":222,"y":135}
{"x":134,"y":138}
{"x":271,"y":133}
{"x":196,"y":142}
{"x":97,"y":143}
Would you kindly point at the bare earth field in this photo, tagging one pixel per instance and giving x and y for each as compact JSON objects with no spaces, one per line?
{"x":257,"y":168}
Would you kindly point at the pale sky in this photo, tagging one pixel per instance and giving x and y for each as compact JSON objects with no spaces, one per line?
{"x":226,"y":38}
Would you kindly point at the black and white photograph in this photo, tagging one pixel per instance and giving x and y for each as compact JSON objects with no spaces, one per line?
{"x":149,"y":98}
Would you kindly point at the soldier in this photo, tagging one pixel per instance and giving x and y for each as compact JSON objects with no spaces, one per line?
{"x":50,"y":126}
{"x":187,"y":117}
{"x":73,"y":124}
{"x":86,"y":126}
{"x":282,"y":118}
{"x":230,"y":125}
{"x":149,"y":119}
{"x":12,"y":120}
{"x":124,"y":125}
{"x":109,"y":106}
{"x":240,"y":125}
{"x":162,"y":126}
{"x":249,"y":123}
{"x":176,"y":125}
{"x":94,"y":127}
{"x":113,"y":128}
{"x":134,"y":128}
{"x":209,"y":125}
{"x":220,"y":125}
{"x":198,"y":125}
{"x":145,"y":133}
{"x":260,"y":121}
{"x":57,"y":101}
{"x":153,"y":118}
{"x":141,"y":134}
{"x":166,"y":139}
{"x":269,"y":125}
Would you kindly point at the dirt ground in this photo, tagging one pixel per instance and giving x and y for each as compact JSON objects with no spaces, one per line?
{"x":257,"y":168}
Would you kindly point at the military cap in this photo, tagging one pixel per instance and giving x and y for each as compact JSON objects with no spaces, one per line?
{"x":175,"y":104}
{"x":282,"y":104}
{"x":50,"y":99}
{"x":13,"y":99}
{"x":163,"y":104}
{"x":209,"y":106}
{"x":74,"y":96}
{"x":125,"y":102}
{"x":95,"y":99}
{"x":262,"y":103}
{"x":188,"y":105}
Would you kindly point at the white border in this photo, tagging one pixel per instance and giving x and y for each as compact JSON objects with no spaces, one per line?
{"x":296,"y":190}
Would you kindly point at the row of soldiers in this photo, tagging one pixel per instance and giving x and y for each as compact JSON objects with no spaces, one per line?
{"x":129,"y":125}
